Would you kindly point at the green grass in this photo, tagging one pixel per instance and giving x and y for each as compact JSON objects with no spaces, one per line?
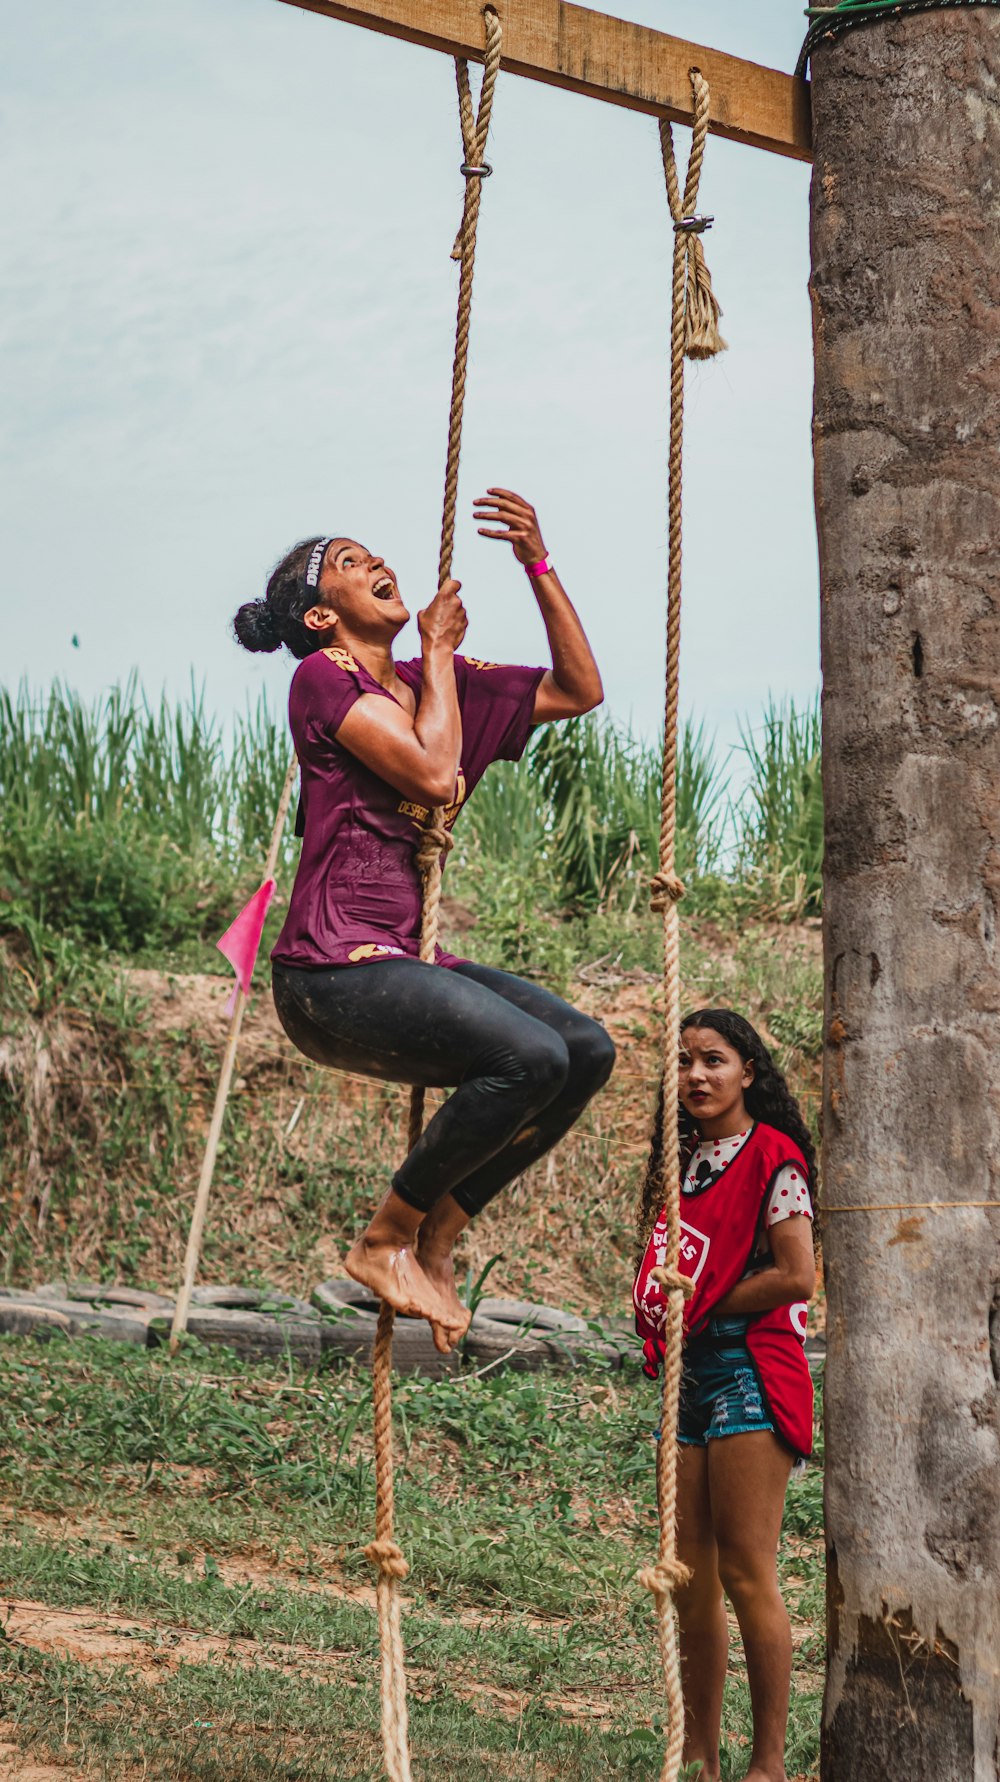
{"x":246,"y":1723}
{"x":213,"y":1726}
{"x":171,"y":1503}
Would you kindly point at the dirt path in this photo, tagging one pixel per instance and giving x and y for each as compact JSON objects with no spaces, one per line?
{"x":152,"y":1651}
{"x":16,"y":1767}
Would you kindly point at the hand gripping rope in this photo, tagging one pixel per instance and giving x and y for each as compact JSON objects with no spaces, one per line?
{"x":383,"y":1552}
{"x":694,"y":334}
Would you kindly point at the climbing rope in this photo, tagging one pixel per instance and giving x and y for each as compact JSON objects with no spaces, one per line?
{"x":694,"y":334}
{"x":392,"y":1568}
{"x":435,"y":841}
{"x":832,"y":21}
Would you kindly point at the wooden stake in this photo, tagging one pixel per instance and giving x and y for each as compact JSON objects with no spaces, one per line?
{"x":604,"y":58}
{"x":193,"y":1252}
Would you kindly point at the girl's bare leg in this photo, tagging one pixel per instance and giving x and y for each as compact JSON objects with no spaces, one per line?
{"x":701,"y":1613}
{"x":748,"y":1476}
{"x":384,"y":1258}
{"x":435,"y":1243}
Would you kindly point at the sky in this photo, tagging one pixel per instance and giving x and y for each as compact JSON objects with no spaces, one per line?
{"x":226,"y":321}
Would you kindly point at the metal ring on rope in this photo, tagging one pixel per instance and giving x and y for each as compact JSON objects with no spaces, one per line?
{"x":483,"y":172}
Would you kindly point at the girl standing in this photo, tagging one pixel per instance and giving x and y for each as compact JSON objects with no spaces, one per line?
{"x":746,"y":1396}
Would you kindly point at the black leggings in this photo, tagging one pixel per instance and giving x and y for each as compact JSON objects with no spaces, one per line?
{"x":525,"y":1062}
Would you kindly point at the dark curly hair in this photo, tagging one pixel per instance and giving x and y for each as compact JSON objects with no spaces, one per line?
{"x":277,"y":619}
{"x":768,"y":1098}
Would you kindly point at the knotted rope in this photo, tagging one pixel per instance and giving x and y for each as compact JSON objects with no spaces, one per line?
{"x":434,"y":843}
{"x":694,"y":334}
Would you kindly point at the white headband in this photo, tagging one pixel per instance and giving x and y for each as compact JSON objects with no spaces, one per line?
{"x":314,"y":563}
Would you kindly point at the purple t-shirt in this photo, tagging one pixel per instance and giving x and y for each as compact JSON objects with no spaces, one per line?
{"x":357,"y":892}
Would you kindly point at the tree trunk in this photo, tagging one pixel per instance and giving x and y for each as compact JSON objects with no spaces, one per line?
{"x":906,"y":304}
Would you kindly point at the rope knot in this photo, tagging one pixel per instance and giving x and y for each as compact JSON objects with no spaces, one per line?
{"x":387,"y":1558}
{"x":665,"y":888}
{"x":435,"y":840}
{"x":663,"y":1578}
{"x":673,"y":1280}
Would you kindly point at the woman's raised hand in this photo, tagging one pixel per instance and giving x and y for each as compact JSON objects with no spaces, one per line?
{"x":444,"y":621}
{"x":510,"y":517}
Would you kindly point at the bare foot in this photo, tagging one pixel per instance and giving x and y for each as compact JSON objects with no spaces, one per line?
{"x":390,"y":1268}
{"x":439,"y":1268}
{"x":761,"y":1773}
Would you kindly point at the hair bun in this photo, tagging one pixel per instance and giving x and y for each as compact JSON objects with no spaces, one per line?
{"x":255,"y":627}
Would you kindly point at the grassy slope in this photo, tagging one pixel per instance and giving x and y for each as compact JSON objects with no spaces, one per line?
{"x":109,"y":1091}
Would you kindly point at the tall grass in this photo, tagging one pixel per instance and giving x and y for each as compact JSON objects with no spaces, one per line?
{"x":586,"y":799}
{"x":603,"y":788}
{"x":64,"y":761}
{"x":128,"y":823}
{"x":138,"y":825}
{"x":780,"y":842}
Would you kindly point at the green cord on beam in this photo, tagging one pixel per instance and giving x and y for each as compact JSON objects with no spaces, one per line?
{"x":831,"y":21}
{"x":885,"y":6}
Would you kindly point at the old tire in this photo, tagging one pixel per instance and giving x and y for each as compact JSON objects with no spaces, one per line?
{"x":253,"y":1336}
{"x":267,"y":1302}
{"x":527,"y":1335}
{"x":103,"y":1293}
{"x":43,"y":1313}
{"x":350,"y":1317}
{"x":257,"y":1323}
{"x":518,"y":1334}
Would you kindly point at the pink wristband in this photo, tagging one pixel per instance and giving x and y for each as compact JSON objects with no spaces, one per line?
{"x":542,"y":567}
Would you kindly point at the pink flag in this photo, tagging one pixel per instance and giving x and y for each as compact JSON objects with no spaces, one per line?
{"x":241,"y":941}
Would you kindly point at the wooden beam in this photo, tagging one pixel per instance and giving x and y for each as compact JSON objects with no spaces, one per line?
{"x":604,"y":58}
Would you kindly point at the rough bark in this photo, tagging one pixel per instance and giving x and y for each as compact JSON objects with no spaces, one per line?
{"x":906,"y":301}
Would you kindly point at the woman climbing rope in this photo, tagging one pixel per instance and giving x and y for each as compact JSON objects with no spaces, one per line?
{"x":380,"y":744}
{"x":746,"y":1243}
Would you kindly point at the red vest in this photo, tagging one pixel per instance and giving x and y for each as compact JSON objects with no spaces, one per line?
{"x":720,"y":1230}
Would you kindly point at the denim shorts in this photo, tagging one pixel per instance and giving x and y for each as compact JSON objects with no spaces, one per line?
{"x":720,"y":1387}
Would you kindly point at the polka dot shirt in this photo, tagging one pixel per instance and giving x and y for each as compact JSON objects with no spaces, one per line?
{"x":789,"y":1196}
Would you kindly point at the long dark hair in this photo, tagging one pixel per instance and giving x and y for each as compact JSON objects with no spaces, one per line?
{"x":768,"y":1098}
{"x":277,"y":619}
